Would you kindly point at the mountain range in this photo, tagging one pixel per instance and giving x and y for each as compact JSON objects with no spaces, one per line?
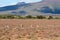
{"x":44,"y":7}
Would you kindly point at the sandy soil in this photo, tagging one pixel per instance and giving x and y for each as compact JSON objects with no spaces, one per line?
{"x":29,"y":29}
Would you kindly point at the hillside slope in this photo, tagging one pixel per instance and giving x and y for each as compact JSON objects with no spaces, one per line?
{"x":45,"y":7}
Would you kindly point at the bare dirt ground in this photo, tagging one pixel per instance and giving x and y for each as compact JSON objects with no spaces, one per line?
{"x":29,"y":29}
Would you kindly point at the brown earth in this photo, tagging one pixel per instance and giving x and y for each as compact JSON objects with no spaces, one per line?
{"x":29,"y":29}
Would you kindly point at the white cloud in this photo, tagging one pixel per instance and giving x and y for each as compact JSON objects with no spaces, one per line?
{"x":28,"y":1}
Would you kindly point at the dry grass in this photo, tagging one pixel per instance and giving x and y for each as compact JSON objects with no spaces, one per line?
{"x":29,"y":29}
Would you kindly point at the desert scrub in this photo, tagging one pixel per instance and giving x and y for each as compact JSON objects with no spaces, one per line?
{"x":56,"y":35}
{"x":50,"y":17}
{"x":33,"y":37}
{"x":28,"y":37}
{"x":18,"y":37}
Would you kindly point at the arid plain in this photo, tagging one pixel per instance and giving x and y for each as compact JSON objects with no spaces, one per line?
{"x":29,"y":29}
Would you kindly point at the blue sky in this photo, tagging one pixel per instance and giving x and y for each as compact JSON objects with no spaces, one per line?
{"x":12,"y":2}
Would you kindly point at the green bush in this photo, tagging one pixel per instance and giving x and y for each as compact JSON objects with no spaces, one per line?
{"x":40,"y":17}
{"x":29,"y":16}
{"x":50,"y":17}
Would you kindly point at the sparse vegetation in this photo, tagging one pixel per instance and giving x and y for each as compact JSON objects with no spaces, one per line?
{"x":50,"y":17}
{"x":41,"y":17}
{"x":27,"y":17}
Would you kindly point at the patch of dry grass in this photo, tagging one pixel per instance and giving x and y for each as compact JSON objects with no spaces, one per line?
{"x":29,"y":29}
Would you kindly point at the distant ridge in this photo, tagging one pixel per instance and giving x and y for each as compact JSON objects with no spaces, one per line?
{"x":45,"y":7}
